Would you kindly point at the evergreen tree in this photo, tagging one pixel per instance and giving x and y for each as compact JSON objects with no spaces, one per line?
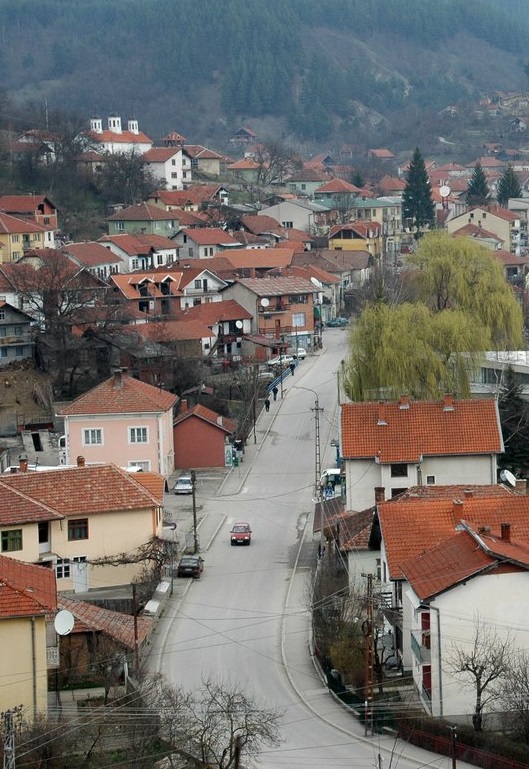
{"x":417,"y":203}
{"x":514,"y":418}
{"x":478,"y":190}
{"x":508,"y":186}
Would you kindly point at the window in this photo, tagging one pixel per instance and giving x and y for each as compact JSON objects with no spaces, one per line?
{"x":120,"y":225}
{"x":173,"y":162}
{"x":174,"y":175}
{"x":93,"y":437}
{"x":159,"y":258}
{"x":15,"y":238}
{"x":19,"y":351}
{"x":287,"y":225}
{"x":46,"y":220}
{"x":77,"y":529}
{"x":430,"y":479}
{"x":134,"y":264}
{"x":11,"y":540}
{"x":298,"y":319}
{"x":2,"y":314}
{"x":396,"y":492}
{"x":138,"y":435}
{"x":3,"y":352}
{"x":399,"y":470}
{"x":145,"y":466}
{"x":62,"y":568}
{"x":198,"y":284}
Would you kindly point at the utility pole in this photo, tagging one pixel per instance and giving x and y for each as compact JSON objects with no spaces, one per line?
{"x":195,"y":535}
{"x":9,"y":740}
{"x":369,"y":655}
{"x":136,"y":643}
{"x":317,"y":448}
{"x":453,"y":729}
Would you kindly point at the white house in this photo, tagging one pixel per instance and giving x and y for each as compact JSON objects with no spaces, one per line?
{"x":172,"y":165}
{"x":115,"y":139}
{"x":398,"y":444}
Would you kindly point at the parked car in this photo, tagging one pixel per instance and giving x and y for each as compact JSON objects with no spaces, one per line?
{"x":336,"y":322}
{"x":190,"y":566}
{"x":301,"y":353}
{"x":281,"y":360}
{"x":241,"y":534}
{"x":184,"y":485}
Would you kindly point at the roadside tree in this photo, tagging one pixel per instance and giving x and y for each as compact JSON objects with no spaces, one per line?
{"x":483,"y":662}
{"x":513,"y":696}
{"x":417,"y":204}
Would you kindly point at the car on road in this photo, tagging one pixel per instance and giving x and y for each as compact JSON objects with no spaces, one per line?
{"x":184,"y":484}
{"x":337,"y":322}
{"x":190,"y":566}
{"x":241,"y":534}
{"x":301,"y":353}
{"x":281,"y":360}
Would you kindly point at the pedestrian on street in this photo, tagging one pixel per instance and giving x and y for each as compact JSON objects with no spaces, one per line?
{"x":292,"y":368}
{"x":274,"y":393}
{"x":267,"y":404}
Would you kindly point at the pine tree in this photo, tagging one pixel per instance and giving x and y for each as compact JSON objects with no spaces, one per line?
{"x":508,"y":186}
{"x":478,"y":190}
{"x":417,"y":203}
{"x":514,"y":417}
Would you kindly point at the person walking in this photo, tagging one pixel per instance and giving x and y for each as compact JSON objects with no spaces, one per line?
{"x":274,"y":393}
{"x":267,"y":404}
{"x":292,"y":368}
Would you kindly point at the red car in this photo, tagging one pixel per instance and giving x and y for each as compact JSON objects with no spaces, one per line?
{"x":241,"y":534}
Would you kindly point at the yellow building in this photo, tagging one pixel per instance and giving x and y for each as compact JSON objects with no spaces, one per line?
{"x":18,"y":236}
{"x":357,"y":236}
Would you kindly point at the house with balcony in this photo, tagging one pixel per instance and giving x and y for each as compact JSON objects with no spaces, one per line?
{"x":17,"y":340}
{"x":310,"y":216}
{"x":122,"y":420}
{"x":28,"y":604}
{"x":199,"y":286}
{"x":152,"y":293}
{"x":358,"y":236}
{"x":503,"y":223}
{"x":140,"y":252}
{"x":18,"y":236}
{"x":204,"y":242}
{"x":78,"y":520}
{"x":227,"y":321}
{"x":398,"y":444}
{"x":454,"y":563}
{"x":98,"y":259}
{"x":282,"y":309}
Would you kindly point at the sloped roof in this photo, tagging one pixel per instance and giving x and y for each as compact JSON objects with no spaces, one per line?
{"x":210,"y":236}
{"x":92,"y":254}
{"x":125,"y":137}
{"x":278,"y":286}
{"x":140,"y":244}
{"x":12,"y":225}
{"x":228,"y":426}
{"x":26,"y":590}
{"x":123,"y":628}
{"x":259,"y":258}
{"x":23,"y":204}
{"x":129,"y":283}
{"x":361,"y":228}
{"x":393,"y":433}
{"x":475,"y":231}
{"x":338,"y":186}
{"x":172,"y":330}
{"x":160,"y":154}
{"x":142,"y":212}
{"x":382,"y":153}
{"x":214,"y":312}
{"x":88,"y":490}
{"x":334,"y":261}
{"x":201,"y":153}
{"x":194,"y":195}
{"x":121,"y":395}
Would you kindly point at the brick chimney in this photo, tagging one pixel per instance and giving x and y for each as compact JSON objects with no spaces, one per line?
{"x":448,"y":403}
{"x":506,"y":532}
{"x":118,"y":378}
{"x":380,"y":494}
{"x":381,"y":413}
{"x":457,"y":508}
{"x":404,"y":402}
{"x":23,"y":463}
{"x":80,"y":461}
{"x":469,"y":493}
{"x":183,"y":405}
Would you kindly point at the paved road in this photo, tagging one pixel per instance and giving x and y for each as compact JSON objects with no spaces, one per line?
{"x":247,"y":619}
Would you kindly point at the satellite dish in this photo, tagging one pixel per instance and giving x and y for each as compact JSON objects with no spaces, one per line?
{"x":445,"y":191}
{"x":316,"y":282}
{"x":265,"y":302}
{"x":238,"y":323}
{"x":64,"y":622}
{"x":507,"y":477}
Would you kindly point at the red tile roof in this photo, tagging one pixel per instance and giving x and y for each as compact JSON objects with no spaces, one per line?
{"x":92,"y":254}
{"x":210,"y":236}
{"x":338,"y":186}
{"x":120,"y":627}
{"x":215,"y":312}
{"x":228,"y":426}
{"x":88,"y":490}
{"x":171,"y":330}
{"x":392,"y":433}
{"x":160,"y":154}
{"x":23,"y":204}
{"x":142,"y":212}
{"x":26,"y":590}
{"x":128,"y":396}
{"x":278,"y":286}
{"x":194,"y":195}
{"x":11,"y":225}
{"x":259,"y":258}
{"x":140,"y":244}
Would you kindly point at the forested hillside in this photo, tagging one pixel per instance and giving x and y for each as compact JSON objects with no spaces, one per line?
{"x":202,"y":66}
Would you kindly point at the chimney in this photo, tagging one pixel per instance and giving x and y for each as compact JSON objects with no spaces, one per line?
{"x":469,"y":493}
{"x":380,"y":494}
{"x":457,"y":508}
{"x":404,"y":402}
{"x":118,"y":378}
{"x":381,"y":413}
{"x":448,"y":403}
{"x":506,"y":532}
{"x":521,"y":486}
{"x":80,"y":461}
{"x":23,"y":463}
{"x":183,"y":405}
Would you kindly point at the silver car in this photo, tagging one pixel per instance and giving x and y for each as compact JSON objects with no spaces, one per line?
{"x":184,"y":485}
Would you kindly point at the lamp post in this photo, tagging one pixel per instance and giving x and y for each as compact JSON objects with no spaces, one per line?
{"x":317,"y":448}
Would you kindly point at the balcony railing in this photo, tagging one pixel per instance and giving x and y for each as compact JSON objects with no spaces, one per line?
{"x":273,"y":308}
{"x":420,"y":645}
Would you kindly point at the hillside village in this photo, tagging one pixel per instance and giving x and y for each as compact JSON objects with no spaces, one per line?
{"x":224,"y":278}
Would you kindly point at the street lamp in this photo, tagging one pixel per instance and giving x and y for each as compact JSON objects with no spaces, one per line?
{"x":317,"y":449}
{"x":195,"y":535}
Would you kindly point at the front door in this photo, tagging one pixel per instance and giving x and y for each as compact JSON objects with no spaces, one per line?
{"x":80,"y":574}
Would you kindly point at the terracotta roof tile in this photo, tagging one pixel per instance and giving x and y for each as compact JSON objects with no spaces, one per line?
{"x":213,"y":312}
{"x":128,"y":397}
{"x":141,"y":212}
{"x":120,"y":627}
{"x":206,"y":236}
{"x":338,"y":186}
{"x":26,"y":590}
{"x":425,"y":428}
{"x":228,"y":426}
{"x":92,"y":254}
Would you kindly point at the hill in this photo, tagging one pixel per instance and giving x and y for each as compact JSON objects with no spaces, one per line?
{"x":298,"y":68}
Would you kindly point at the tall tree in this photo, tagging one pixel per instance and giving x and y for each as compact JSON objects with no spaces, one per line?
{"x":514,"y":418}
{"x":417,"y":204}
{"x":478,"y":190}
{"x":508,"y":186}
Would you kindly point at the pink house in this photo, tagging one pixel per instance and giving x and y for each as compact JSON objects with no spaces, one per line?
{"x":123,"y":421}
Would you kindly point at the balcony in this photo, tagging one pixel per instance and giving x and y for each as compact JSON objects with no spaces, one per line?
{"x":271,"y":331}
{"x":274,"y":308}
{"x":15,"y":339}
{"x":420,"y":645}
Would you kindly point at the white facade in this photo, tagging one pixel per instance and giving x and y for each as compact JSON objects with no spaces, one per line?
{"x":133,"y":262}
{"x":202,"y":289}
{"x":175,"y":171}
{"x":362,"y":476}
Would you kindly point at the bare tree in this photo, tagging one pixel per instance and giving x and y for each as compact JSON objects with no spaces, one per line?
{"x":513,"y":695}
{"x":484,"y":660}
{"x":207,"y":725}
{"x":275,"y":162}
